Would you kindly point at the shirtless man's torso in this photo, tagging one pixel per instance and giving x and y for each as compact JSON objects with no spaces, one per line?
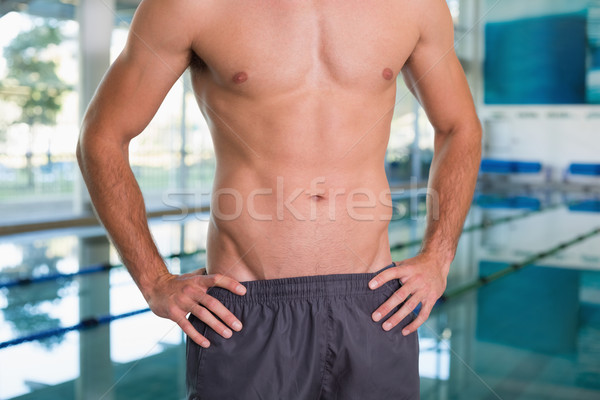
{"x":299,"y":97}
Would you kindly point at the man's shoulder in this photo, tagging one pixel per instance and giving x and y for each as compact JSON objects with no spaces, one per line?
{"x":174,"y":23}
{"x":176,"y":12}
{"x":432,"y":14}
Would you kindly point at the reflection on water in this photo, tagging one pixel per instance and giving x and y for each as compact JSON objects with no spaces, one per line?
{"x":27,"y":309}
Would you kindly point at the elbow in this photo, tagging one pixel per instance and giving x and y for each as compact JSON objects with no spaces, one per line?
{"x":87,"y":146}
{"x":79,"y":153}
{"x":466,"y":136}
{"x":478,"y":129}
{"x":467,"y":131}
{"x":81,"y":141}
{"x":471,"y":137}
{"x":471,"y":128}
{"x":81,"y":147}
{"x":95,"y":144}
{"x":474,"y":141}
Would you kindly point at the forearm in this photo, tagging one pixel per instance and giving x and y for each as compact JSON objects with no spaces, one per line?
{"x":119,"y":205}
{"x":452,"y":180}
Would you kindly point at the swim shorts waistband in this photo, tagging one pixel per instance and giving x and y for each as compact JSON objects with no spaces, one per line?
{"x":299,"y":287}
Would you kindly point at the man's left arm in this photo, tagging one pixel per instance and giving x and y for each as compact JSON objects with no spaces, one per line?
{"x":434,"y":75}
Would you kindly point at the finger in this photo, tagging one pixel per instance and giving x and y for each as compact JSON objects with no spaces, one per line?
{"x":216,"y":307}
{"x":212,"y":322}
{"x":228,"y":283}
{"x":193,"y":334}
{"x":395,"y":298}
{"x":387,"y":275}
{"x":406,"y":309}
{"x":421,"y":318}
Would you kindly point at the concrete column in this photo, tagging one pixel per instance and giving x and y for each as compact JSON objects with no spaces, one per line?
{"x":478,"y":45}
{"x":96,"y":23}
{"x":470,"y":42}
{"x":96,"y":376}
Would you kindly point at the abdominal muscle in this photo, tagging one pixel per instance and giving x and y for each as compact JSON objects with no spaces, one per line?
{"x":284,"y":225}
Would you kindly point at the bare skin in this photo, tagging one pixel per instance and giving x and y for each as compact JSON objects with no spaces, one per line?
{"x":299,"y":98}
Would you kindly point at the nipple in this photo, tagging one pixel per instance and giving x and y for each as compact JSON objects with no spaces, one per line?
{"x":387,"y":74}
{"x":240,"y":77}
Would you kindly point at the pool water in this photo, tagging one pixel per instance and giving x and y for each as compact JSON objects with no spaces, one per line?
{"x":532,"y":333}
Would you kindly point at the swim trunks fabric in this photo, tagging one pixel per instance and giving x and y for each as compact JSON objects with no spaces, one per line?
{"x":308,"y":337}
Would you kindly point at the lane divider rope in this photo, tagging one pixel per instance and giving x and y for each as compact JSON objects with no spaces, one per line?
{"x":517,"y":266}
{"x":87,"y":323}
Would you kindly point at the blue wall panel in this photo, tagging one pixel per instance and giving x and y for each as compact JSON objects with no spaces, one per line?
{"x":536,"y":60}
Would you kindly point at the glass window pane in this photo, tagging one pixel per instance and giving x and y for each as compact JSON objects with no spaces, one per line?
{"x":38,"y":116}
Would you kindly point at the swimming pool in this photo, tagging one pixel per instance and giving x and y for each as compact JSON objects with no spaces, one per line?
{"x":520,"y":319}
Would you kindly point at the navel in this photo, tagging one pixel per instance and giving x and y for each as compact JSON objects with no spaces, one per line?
{"x":240,"y":77}
{"x":387,"y":74}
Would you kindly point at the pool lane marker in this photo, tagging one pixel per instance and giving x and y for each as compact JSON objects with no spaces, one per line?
{"x":485,"y":224}
{"x":84,"y":271}
{"x":87,"y":323}
{"x":53,"y":277}
{"x":484,"y":280}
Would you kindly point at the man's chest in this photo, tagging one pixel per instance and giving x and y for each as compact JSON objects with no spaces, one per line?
{"x":286,"y":45}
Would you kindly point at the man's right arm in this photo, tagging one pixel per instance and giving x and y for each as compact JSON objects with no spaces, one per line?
{"x":157,"y":52}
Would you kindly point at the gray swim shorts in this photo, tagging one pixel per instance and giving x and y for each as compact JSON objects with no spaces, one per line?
{"x":306,"y":338}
